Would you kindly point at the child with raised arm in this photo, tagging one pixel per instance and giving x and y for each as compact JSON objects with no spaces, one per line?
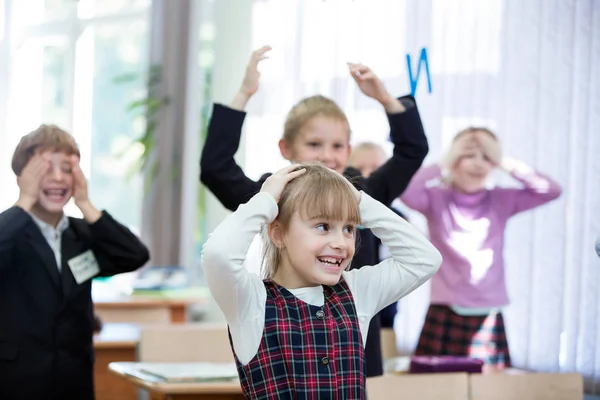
{"x":466,"y":223}
{"x":317,"y":130}
{"x":300,"y":333}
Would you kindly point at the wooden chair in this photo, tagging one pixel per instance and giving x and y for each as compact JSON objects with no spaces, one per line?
{"x":388,"y":344}
{"x":448,"y":386}
{"x":149,"y":315}
{"x":185,"y":343}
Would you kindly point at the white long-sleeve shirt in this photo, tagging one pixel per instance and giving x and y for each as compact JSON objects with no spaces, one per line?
{"x":242,"y":296}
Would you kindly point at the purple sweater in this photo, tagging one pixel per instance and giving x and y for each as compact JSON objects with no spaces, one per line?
{"x":468,"y":230}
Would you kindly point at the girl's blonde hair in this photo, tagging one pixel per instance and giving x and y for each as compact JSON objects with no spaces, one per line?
{"x":473,"y":129}
{"x":307,"y":109}
{"x":318,"y":193}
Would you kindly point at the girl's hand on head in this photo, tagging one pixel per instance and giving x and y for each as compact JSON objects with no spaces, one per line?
{"x":373,"y":87}
{"x":275,"y":184}
{"x":461,"y":146}
{"x":252,"y":76}
{"x":489,"y":146}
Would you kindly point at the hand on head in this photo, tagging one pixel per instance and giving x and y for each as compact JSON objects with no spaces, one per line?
{"x":469,"y":143}
{"x":275,"y":184}
{"x":462,"y":145}
{"x":489,"y":146}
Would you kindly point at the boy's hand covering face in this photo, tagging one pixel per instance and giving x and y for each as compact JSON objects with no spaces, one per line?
{"x":30,"y":179}
{"x":80,"y":189}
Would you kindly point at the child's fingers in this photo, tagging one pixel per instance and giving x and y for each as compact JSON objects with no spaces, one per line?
{"x":39,"y":169}
{"x":259,"y":54}
{"x":465,"y":141}
{"x":360,"y":68}
{"x":286,"y":170}
{"x":264,"y":49}
{"x":39,"y":164}
{"x":75,"y":165}
{"x":295,"y":174}
{"x":366,"y":76}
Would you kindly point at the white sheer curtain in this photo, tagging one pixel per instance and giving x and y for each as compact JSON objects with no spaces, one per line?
{"x":529,"y":70}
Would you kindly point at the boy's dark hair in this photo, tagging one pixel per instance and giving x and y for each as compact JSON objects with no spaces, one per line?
{"x":44,"y":138}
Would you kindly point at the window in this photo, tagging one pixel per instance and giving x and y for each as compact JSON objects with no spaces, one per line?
{"x":65,"y":58}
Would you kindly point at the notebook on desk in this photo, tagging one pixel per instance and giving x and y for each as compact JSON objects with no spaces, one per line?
{"x":191,"y":372}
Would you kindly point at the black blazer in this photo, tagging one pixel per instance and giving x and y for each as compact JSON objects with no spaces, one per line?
{"x":222,"y":176}
{"x":46,"y":318}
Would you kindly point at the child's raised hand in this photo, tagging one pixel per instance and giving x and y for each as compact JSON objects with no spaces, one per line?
{"x":275,"y":184}
{"x":252,"y":76}
{"x":250,"y":82}
{"x":30,"y":180}
{"x":373,"y":87}
{"x":368,"y":82}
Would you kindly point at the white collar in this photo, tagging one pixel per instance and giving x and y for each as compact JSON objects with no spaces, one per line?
{"x":46,"y":228}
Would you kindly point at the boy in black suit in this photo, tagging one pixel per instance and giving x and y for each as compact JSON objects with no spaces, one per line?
{"x":47,"y":261}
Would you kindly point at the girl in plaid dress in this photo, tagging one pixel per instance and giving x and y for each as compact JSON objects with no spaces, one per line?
{"x":300,"y":332}
{"x":466,"y":223}
{"x":316,"y":129}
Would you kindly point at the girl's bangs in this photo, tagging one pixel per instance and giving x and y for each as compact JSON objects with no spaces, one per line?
{"x":333,"y":201}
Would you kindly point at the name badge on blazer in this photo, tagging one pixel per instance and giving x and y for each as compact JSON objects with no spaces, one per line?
{"x":84,"y":266}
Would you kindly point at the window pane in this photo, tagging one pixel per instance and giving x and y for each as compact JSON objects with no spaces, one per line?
{"x":94,"y":8}
{"x":54,"y":102}
{"x":32,"y":12}
{"x":118,"y":50}
{"x":38,"y":85}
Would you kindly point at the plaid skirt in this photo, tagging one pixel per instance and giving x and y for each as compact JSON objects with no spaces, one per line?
{"x":478,"y":336}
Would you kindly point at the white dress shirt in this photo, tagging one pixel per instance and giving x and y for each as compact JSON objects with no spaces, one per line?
{"x":53,"y":235}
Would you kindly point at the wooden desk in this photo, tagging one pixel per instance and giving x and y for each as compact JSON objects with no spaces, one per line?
{"x":400,"y":365}
{"x":518,"y":386}
{"x":115,"y":342}
{"x":159,"y":389}
{"x":128,"y":309}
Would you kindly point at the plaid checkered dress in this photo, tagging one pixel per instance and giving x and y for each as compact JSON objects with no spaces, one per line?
{"x":448,"y":333}
{"x":307,"y":352}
